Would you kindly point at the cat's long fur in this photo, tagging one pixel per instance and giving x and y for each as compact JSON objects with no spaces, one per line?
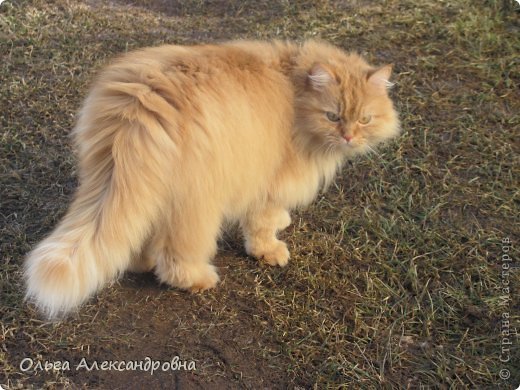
{"x":174,"y":140}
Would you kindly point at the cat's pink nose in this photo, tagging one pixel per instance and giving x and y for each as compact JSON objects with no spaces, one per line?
{"x":348,"y":138}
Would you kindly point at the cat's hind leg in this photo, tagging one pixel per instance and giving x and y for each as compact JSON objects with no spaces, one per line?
{"x":183,"y":250}
{"x":142,"y":262}
{"x":260,"y":228}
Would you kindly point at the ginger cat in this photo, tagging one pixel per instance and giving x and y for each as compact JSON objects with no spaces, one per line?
{"x":175,"y":140}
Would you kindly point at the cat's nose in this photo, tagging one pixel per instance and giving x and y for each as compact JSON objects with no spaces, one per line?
{"x":348,"y":138}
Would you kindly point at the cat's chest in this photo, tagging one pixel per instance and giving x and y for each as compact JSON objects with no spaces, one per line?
{"x":299,"y":184}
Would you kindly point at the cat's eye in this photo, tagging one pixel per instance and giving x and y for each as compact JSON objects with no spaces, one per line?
{"x":365,"y":119}
{"x":332,"y":116}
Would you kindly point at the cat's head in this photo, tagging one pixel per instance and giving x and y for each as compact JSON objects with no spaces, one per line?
{"x":342,"y":103}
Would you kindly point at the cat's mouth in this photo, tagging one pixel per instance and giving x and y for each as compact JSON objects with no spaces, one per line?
{"x":348,"y":141}
{"x":352,"y":145}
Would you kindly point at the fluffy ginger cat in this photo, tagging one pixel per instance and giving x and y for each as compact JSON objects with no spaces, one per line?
{"x":175,"y":140}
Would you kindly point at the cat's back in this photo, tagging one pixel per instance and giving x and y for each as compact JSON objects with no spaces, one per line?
{"x":240,"y":61}
{"x":228,"y":107}
{"x":240,"y":81}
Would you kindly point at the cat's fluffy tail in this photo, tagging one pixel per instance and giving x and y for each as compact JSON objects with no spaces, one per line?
{"x":125,"y":165}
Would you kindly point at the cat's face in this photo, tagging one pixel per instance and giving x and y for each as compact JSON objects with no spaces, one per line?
{"x":346,"y":111}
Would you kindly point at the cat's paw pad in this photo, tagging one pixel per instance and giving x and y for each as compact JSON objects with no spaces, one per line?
{"x":279,"y":255}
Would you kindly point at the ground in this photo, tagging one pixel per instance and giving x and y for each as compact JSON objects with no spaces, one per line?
{"x":400,"y":274}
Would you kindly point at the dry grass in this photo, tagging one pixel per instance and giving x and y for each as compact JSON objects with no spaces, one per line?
{"x":395,"y":280}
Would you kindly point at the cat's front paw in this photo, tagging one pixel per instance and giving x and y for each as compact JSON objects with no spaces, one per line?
{"x":272,"y":251}
{"x":278,"y":254}
{"x":284,"y":220}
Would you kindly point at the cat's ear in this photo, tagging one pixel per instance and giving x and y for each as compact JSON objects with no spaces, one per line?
{"x":319,"y":76}
{"x":380,"y":77}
